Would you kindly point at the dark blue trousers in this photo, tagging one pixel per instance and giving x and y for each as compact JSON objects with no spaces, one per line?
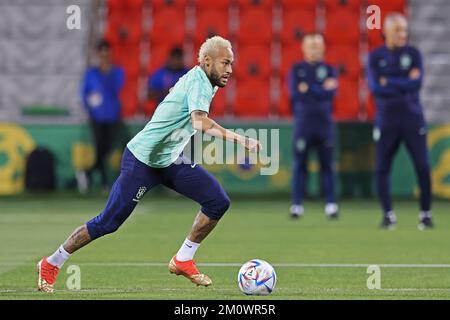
{"x":136,"y":178}
{"x":388,"y":141}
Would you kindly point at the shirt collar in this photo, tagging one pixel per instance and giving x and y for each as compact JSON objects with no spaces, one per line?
{"x":205,"y":77}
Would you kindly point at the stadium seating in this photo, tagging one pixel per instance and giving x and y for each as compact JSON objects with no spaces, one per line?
{"x":129,"y":97}
{"x":252,"y":99}
{"x":290,"y":54}
{"x":295,"y":23}
{"x":218,"y":106}
{"x":168,"y":27}
{"x":340,"y":25}
{"x":119,"y":5}
{"x":158,"y":56}
{"x":213,"y":5}
{"x":253,"y":61}
{"x":296,"y":4}
{"x":158,"y":5}
{"x":248,"y":4}
{"x":345,"y":58}
{"x":347,"y":100}
{"x":207,"y":24}
{"x":124,"y":26}
{"x":255,"y":25}
{"x":128,"y":57}
{"x":353,"y":5}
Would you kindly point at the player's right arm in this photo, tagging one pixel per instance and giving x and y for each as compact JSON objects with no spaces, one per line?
{"x":377,"y":83}
{"x":201,"y":121}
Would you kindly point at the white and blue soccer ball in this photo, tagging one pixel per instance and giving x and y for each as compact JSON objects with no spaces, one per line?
{"x":257,"y":277}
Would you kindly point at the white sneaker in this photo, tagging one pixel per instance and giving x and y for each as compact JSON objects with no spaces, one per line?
{"x":331,"y":210}
{"x":296,"y":211}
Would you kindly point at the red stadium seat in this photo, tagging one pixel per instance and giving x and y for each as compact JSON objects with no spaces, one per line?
{"x":255,"y":26}
{"x":345,"y":59}
{"x":210,"y":23}
{"x":119,"y":5}
{"x":168,"y":4}
{"x":297,"y":22}
{"x":252,"y":98}
{"x":284,"y":104}
{"x":218,"y":105}
{"x":253,"y":61}
{"x":370,"y":107}
{"x":127,"y":57}
{"x":391,"y":5}
{"x":351,"y":4}
{"x":296,"y":4}
{"x":289,"y":56}
{"x":124,"y":26}
{"x":129,"y":98}
{"x":342,"y":26}
{"x":346,"y":105}
{"x":168,"y":27}
{"x":245,"y":4}
{"x":213,"y":5}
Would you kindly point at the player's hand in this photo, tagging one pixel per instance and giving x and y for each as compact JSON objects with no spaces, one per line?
{"x":330,"y":84}
{"x":250,"y":144}
{"x":303,"y":87}
{"x":414,"y":74}
{"x":383,"y":81}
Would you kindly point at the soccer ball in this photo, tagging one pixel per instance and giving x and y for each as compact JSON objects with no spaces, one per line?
{"x":257,"y":277}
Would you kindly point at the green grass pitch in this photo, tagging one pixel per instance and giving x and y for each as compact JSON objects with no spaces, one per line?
{"x":314,"y":258}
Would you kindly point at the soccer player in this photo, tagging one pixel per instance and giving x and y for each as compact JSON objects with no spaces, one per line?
{"x":312,"y":86}
{"x":154,"y":156}
{"x":395,"y":75}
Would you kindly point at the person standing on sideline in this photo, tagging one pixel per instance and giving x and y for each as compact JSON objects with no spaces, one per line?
{"x":100,"y":94}
{"x":312,"y":87}
{"x":395,"y":75}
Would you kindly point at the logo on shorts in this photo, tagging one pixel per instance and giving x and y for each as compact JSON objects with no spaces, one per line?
{"x":193,"y":165}
{"x":140,"y":193}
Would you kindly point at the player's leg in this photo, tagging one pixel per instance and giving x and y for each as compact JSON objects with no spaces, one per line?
{"x":194,"y":182}
{"x":325,"y":151}
{"x":301,"y":151}
{"x":416,"y":144}
{"x":387,"y":143}
{"x":135,"y":179}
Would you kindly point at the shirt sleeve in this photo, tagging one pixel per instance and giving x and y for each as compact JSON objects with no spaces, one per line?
{"x":155,"y":81}
{"x":406,"y":84}
{"x":373,"y":78}
{"x":85,"y":90}
{"x":198,"y":97}
{"x":320,"y":92}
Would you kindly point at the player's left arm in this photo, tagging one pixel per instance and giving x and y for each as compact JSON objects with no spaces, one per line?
{"x":413,"y":82}
{"x":326,"y":90}
{"x":201,"y":121}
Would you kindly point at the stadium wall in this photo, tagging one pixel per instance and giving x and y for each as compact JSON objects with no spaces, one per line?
{"x":73,"y":150}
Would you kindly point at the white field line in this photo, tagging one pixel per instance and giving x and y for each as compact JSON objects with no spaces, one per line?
{"x":235,"y":264}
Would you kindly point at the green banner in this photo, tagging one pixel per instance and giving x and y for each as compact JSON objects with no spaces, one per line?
{"x":73,"y":150}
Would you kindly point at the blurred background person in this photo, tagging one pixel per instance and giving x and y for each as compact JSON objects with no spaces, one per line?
{"x":165,"y":77}
{"x":100,"y":93}
{"x":395,"y":74}
{"x":312,"y":87}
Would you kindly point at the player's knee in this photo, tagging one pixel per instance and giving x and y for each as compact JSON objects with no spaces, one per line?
{"x":98,"y":228}
{"x":217,"y":208}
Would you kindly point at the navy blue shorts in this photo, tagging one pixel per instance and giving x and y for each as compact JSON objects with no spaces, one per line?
{"x":136,"y":178}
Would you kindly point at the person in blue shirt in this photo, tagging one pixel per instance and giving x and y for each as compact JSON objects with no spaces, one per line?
{"x":312,"y":87}
{"x":100,"y":94}
{"x":165,"y":77}
{"x":395,"y":75}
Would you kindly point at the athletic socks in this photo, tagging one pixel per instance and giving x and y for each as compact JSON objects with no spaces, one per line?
{"x":425,"y":214}
{"x":59,"y":257}
{"x":187,"y":250}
